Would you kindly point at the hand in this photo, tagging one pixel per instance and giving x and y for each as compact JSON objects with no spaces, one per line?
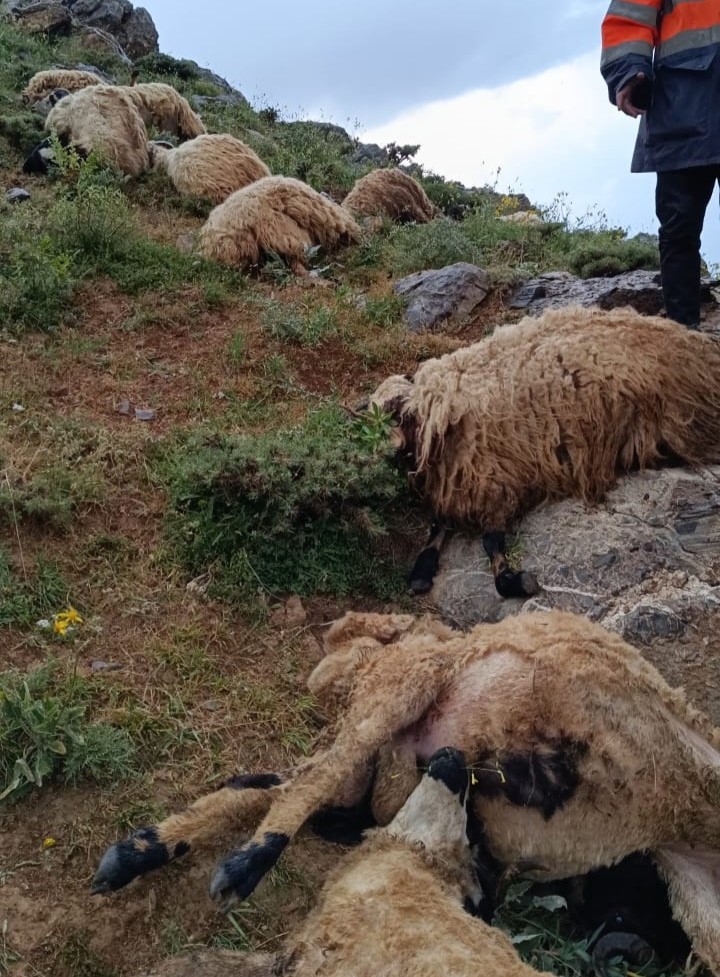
{"x":623,"y":99}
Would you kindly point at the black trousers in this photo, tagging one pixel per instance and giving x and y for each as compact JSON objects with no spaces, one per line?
{"x":681,"y":199}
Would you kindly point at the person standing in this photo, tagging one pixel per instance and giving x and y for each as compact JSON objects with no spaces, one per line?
{"x":661,"y":62}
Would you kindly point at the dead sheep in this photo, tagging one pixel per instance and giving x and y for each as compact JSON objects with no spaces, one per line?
{"x":211,"y":166}
{"x":551,"y":408}
{"x":275,"y":215}
{"x":166,"y":109}
{"x":391,"y":194}
{"x":43,"y":83}
{"x":100,"y":119}
{"x":580,"y":754}
{"x":396,"y":906}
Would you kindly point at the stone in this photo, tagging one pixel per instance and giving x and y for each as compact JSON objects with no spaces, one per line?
{"x":95,"y":39}
{"x":138,"y":34}
{"x":17,"y":195}
{"x":646,"y":562}
{"x":370,"y":153}
{"x":640,"y":289}
{"x":525,"y":217}
{"x":106,"y":14}
{"x":49,"y":18}
{"x":443,"y":296}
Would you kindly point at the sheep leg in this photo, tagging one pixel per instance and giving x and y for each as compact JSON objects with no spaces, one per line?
{"x":508,"y":583}
{"x":426,"y":565}
{"x":374,"y":718}
{"x":238,"y":805}
{"x":396,"y":777}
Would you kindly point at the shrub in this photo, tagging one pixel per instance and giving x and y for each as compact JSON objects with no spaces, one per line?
{"x":45,"y":734}
{"x":304,"y":324}
{"x":26,"y":599}
{"x":306,"y":510}
{"x":384,"y":310}
{"x":417,"y":247}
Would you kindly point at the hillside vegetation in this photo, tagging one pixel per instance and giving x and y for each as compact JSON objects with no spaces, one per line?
{"x":176,"y":460}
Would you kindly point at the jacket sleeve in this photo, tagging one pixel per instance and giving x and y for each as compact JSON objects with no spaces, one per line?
{"x":629,"y":37}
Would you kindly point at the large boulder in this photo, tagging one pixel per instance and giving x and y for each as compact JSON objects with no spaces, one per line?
{"x":445,"y":296}
{"x":131,"y":27}
{"x":640,"y":289}
{"x":646,"y":562}
{"x":45,"y":17}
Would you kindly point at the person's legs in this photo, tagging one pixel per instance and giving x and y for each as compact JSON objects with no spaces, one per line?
{"x":681,"y":199}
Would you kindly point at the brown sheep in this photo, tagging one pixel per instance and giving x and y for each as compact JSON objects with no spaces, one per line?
{"x":550,"y":408}
{"x":276,"y":214}
{"x":580,"y":755}
{"x":161,"y":106}
{"x":210,"y":166}
{"x":394,"y":906}
{"x":102,"y":119}
{"x":391,"y":194}
{"x":44,"y":82}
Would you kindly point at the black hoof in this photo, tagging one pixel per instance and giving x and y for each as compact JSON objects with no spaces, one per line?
{"x":126,"y":860}
{"x":253,"y":781}
{"x":448,"y":765}
{"x":423,"y":573}
{"x":629,"y":946}
{"x":520,"y":584}
{"x":237,"y":877}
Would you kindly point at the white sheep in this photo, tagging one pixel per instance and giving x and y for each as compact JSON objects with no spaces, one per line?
{"x":211,"y":166}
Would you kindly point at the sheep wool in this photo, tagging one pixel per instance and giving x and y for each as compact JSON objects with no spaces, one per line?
{"x":276,"y":214}
{"x":556,"y":407}
{"x":166,"y":109}
{"x":44,"y":82}
{"x":391,"y":194}
{"x":103,"y":119}
{"x":212,"y":166}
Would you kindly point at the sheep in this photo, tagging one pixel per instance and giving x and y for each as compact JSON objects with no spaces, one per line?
{"x":44,"y":82}
{"x":580,"y":755}
{"x":102,"y":119}
{"x":550,"y":408}
{"x":210,"y":166}
{"x":391,"y":194}
{"x":160,"y":105}
{"x":276,"y":214}
{"x":393,"y":907}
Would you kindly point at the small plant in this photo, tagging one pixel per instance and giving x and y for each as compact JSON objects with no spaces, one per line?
{"x":384,"y":310}
{"x":373,"y":429}
{"x":26,"y":598}
{"x":238,"y":348}
{"x":306,"y":325}
{"x":45,"y":733}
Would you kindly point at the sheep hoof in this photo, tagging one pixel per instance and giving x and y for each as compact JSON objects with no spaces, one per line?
{"x":631,"y":947}
{"x":423,"y":573}
{"x":520,"y":584}
{"x":237,"y":877}
{"x":126,"y":860}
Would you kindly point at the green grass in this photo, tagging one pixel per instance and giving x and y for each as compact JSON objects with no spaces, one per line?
{"x":29,"y":596}
{"x":305,"y":324}
{"x":305,"y":510}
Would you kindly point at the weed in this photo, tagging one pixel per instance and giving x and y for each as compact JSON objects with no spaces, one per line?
{"x":384,"y":310}
{"x":416,"y":247}
{"x":304,"y":510}
{"x":26,"y":598}
{"x":304,"y":324}
{"x":238,"y":348}
{"x":45,"y":733}
{"x":372,"y":430}
{"x":74,"y":956}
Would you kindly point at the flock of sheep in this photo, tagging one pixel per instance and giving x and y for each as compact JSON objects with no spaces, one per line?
{"x":551,"y":748}
{"x":256,"y":213}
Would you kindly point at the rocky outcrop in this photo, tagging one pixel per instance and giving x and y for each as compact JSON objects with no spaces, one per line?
{"x":446,"y":296}
{"x":645,"y":563}
{"x":131,"y":27}
{"x":640,"y":289}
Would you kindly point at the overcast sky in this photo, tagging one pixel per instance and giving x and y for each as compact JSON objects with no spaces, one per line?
{"x":482,"y":85}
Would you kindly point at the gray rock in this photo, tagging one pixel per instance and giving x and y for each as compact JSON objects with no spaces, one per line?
{"x":138,"y":34}
{"x":442,"y":296}
{"x":81,"y":66}
{"x":646,"y":562}
{"x":370,"y":153}
{"x":640,"y":289}
{"x":17,"y":195}
{"x":96,"y":39}
{"x":49,"y":18}
{"x":108,"y":15}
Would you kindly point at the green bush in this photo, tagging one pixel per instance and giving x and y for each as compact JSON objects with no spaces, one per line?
{"x":45,"y":734}
{"x":417,"y":247}
{"x":25,"y":599}
{"x":306,"y":510}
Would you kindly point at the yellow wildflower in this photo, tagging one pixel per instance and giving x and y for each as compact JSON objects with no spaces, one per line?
{"x":66,"y":619}
{"x":48,"y":843}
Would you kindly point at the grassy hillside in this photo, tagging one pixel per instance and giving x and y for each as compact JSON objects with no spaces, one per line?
{"x":145,"y":557}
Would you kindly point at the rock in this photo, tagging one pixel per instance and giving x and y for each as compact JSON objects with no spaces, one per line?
{"x":646,"y":562}
{"x":446,"y":295}
{"x":201,"y":101}
{"x":95,"y":39}
{"x":145,"y":414}
{"x":640,"y":289}
{"x":370,"y":153}
{"x":17,"y":195}
{"x":291,"y":615}
{"x":106,"y":14}
{"x":49,"y":18}
{"x":527,"y":217}
{"x":100,"y":666}
{"x":138,"y":34}
{"x":332,"y":133}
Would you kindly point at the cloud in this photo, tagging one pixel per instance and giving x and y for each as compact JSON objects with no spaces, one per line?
{"x":372,"y":59}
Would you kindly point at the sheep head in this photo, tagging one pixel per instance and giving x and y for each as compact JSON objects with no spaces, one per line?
{"x":392,"y":398}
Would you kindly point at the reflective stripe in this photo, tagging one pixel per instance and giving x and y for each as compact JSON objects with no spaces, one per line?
{"x":610,"y":54}
{"x":640,"y":13}
{"x":688,"y":41}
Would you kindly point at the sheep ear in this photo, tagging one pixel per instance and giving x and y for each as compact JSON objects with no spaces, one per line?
{"x":693,"y":877}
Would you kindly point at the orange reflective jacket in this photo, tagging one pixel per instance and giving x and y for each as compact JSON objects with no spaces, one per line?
{"x":675,"y":44}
